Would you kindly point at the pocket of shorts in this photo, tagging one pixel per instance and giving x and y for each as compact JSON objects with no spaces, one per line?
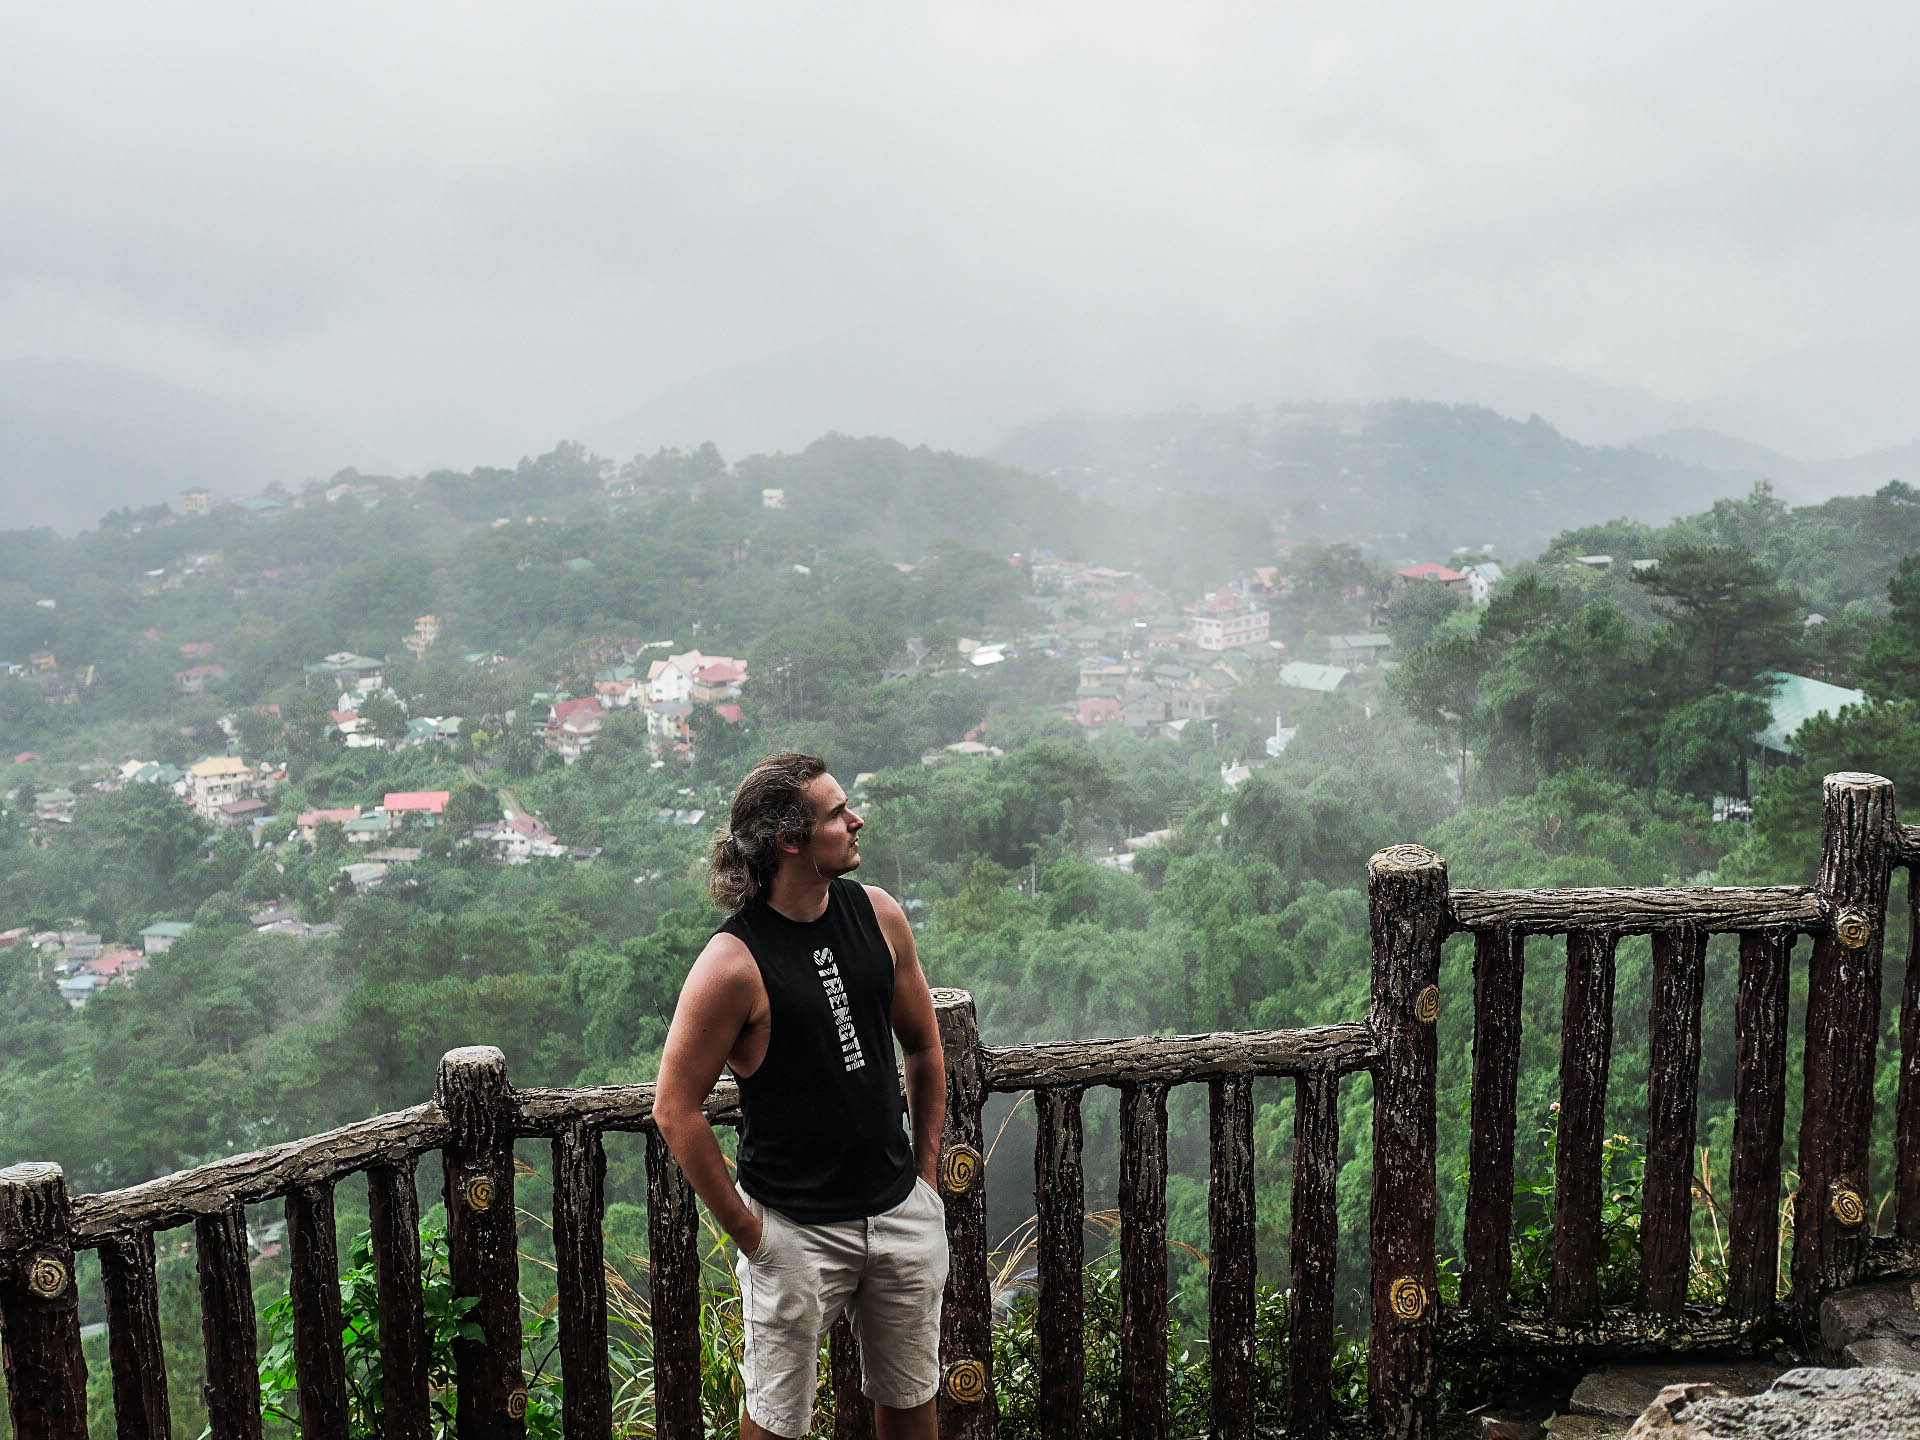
{"x":927,"y":1185}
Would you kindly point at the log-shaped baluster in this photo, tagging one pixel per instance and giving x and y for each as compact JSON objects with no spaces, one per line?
{"x":131,"y":1281}
{"x":1060,"y":1202}
{"x":1673,"y":1087}
{"x":1407,"y":900}
{"x":579,"y":1255}
{"x":673,"y":1240}
{"x":1831,"y":1215}
{"x":1499,"y":974}
{"x":1143,"y":1261}
{"x":1586,"y":1049}
{"x":1315,"y":1254}
{"x":232,"y":1390}
{"x":1906,"y":1125}
{"x":852,"y":1411}
{"x":393,"y":1207}
{"x":482,"y":1241}
{"x":967,"y":1408}
{"x":320,"y":1363}
{"x":1759,"y":1121}
{"x":1230,"y":1275}
{"x":40,"y":1306}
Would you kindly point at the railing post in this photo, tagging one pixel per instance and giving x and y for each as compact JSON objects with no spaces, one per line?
{"x":967,"y":1407}
{"x":393,"y":1208}
{"x":130,"y":1278}
{"x":40,"y":1306}
{"x":1906,"y":1132}
{"x":1407,"y":893}
{"x":482,"y":1244}
{"x":1832,"y":1209}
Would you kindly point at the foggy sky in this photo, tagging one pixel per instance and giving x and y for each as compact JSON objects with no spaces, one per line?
{"x":460,"y":232}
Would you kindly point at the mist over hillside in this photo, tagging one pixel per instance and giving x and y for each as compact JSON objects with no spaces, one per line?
{"x":1410,"y":479}
{"x":78,"y":439}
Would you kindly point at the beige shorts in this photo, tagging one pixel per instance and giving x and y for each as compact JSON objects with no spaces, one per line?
{"x":886,"y":1272}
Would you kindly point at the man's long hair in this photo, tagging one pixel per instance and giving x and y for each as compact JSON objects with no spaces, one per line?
{"x":770,"y":806}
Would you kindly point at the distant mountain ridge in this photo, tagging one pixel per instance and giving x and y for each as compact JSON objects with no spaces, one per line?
{"x":78,"y":439}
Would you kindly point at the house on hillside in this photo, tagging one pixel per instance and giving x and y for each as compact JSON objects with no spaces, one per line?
{"x":574,"y":726}
{"x":1227,"y":620}
{"x":218,"y":780}
{"x":159,"y":937}
{"x":1316,"y":679}
{"x":345,"y":671}
{"x":196,"y":678}
{"x":310,"y":821}
{"x":1351,"y":652}
{"x":1427,"y":572}
{"x":415,"y":807}
{"x":1796,"y":699}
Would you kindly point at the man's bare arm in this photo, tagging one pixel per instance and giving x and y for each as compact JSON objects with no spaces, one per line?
{"x":918,"y":1031}
{"x":715,"y":1004}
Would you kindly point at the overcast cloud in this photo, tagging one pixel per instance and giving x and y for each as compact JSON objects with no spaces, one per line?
{"x":463,"y":231}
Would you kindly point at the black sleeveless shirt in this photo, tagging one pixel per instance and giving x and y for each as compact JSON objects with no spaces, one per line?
{"x":825,"y":1134}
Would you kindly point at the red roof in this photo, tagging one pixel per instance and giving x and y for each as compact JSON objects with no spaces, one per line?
{"x":25,"y":757}
{"x":567,"y":709}
{"x":197,"y":649}
{"x":320,"y":817}
{"x":345,"y":717}
{"x":719,"y":673}
{"x":1100,"y":710}
{"x":732,"y":714}
{"x":1430,"y":570}
{"x":430,"y":802}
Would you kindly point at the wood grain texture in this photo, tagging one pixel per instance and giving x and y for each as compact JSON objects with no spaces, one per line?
{"x":673,"y":1239}
{"x":393,"y":1206}
{"x":1617,"y":1333}
{"x":320,"y":1362}
{"x":544,"y":1112}
{"x":1759,"y":1121}
{"x":1906,"y":1125}
{"x":1586,"y":1049}
{"x":1143,"y":1261}
{"x":1843,"y":1024}
{"x":40,"y":1306}
{"x":1673,"y":1087}
{"x":1716,"y":909}
{"x":966,"y":1312}
{"x":579,"y":1256}
{"x":1407,"y":903}
{"x":1315,"y":1253}
{"x":1175,"y":1059}
{"x":852,"y":1411}
{"x":1060,"y":1202}
{"x":1232,"y":1266}
{"x":1499,"y":976}
{"x":258,"y":1175}
{"x":232,"y":1391}
{"x":483,"y":1253}
{"x":130,"y":1279}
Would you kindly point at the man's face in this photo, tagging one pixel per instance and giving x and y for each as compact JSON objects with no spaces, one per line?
{"x":835,"y":846}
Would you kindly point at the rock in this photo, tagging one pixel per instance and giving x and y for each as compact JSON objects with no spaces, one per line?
{"x":1874,"y":1325}
{"x":1865,"y":1404}
{"x":1623,"y":1392}
{"x":1663,"y":1416}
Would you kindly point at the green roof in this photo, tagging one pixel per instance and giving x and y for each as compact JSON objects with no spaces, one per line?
{"x":1305,"y":675}
{"x":167,"y":929}
{"x":579,"y":563}
{"x":1796,"y":700}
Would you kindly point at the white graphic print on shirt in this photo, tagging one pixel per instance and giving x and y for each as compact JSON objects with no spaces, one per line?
{"x":850,"y":1052}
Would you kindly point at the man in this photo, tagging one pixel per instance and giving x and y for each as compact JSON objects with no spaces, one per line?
{"x":801,"y":994}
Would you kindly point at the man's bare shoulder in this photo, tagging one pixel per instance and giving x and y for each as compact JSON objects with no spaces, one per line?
{"x":884,"y":905}
{"x":724,"y":967}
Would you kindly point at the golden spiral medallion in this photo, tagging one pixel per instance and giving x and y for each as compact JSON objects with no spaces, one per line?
{"x":959,"y":1169}
{"x":965,"y":1382}
{"x":1408,"y":1298}
{"x":1848,"y":1207}
{"x":1853,"y":929}
{"x":1427,"y":1007}
{"x":517,"y":1405}
{"x":478,"y":1192}
{"x":47,"y":1278}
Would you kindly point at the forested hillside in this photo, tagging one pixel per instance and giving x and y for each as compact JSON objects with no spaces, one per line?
{"x":1080,"y":878}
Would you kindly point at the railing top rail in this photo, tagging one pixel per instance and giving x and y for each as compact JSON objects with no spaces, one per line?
{"x":258,"y":1175}
{"x":1169,"y":1059}
{"x":1722,"y":909}
{"x":543,"y":1110}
